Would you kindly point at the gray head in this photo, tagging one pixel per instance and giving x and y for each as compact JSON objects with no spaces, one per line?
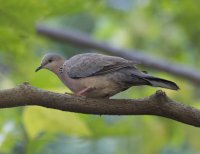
{"x":51,"y":61}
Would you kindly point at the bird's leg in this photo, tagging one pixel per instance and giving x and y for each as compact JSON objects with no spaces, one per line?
{"x":83,"y":91}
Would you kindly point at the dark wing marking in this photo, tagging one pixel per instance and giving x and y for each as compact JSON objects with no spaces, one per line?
{"x":112,"y":68}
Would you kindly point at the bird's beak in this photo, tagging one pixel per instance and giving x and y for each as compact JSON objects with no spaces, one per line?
{"x":39,"y":68}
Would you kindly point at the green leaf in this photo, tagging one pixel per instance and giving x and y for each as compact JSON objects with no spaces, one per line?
{"x":39,"y":120}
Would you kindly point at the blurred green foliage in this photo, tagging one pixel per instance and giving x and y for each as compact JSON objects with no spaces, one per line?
{"x":163,"y":29}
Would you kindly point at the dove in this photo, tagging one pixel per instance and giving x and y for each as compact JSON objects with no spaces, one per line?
{"x":96,"y":75}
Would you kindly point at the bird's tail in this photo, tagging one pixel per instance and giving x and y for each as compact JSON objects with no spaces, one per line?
{"x":158,"y":82}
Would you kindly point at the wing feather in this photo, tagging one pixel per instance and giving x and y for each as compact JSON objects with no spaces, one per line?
{"x":91,"y":64}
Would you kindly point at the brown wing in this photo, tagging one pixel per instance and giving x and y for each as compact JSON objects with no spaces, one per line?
{"x":91,"y":64}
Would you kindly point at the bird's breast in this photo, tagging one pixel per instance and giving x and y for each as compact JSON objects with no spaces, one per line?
{"x":102,"y":85}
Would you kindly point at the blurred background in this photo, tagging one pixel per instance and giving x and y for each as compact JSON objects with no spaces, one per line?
{"x":163,"y":29}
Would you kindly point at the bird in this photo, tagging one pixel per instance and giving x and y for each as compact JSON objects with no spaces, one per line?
{"x":95,"y":75}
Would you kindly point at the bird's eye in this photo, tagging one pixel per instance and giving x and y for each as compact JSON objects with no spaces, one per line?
{"x":50,"y":61}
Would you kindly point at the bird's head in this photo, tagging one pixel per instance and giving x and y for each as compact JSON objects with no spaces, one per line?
{"x":51,"y":61}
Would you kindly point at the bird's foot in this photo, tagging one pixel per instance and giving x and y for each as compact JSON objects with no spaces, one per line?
{"x":82,"y":93}
{"x":79,"y":95}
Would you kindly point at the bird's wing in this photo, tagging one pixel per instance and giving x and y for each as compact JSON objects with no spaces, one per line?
{"x":91,"y":64}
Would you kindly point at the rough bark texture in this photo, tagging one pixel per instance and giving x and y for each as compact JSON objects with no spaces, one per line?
{"x":158,"y":104}
{"x":84,"y":41}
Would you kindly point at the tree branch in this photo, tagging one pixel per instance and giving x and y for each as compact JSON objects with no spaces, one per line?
{"x":84,"y":41}
{"x":158,"y":104}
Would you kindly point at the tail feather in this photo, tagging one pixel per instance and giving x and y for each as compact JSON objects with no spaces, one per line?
{"x":158,"y":82}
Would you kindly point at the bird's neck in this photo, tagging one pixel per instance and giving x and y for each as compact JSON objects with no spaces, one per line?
{"x":57,"y":70}
{"x":57,"y":66}
{"x":69,"y":82}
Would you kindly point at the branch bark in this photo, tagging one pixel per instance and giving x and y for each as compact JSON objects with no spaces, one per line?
{"x":157,"y":104}
{"x":84,"y":41}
